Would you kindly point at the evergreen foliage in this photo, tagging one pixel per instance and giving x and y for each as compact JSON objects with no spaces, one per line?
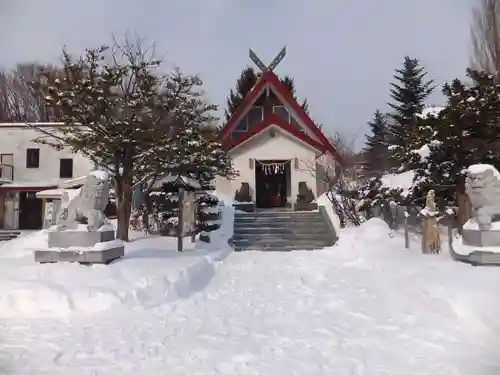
{"x":376,"y":153}
{"x":465,"y":132}
{"x":125,"y":117}
{"x":247,"y":80}
{"x":408,"y":96}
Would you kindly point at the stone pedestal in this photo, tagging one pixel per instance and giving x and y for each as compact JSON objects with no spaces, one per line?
{"x":481,"y":238}
{"x":304,"y":206}
{"x":484,"y":246}
{"x":68,"y":238}
{"x":80,"y":247}
{"x":83,"y":256}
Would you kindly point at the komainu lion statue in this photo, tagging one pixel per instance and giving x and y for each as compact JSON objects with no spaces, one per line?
{"x":89,"y":205}
{"x":482,"y":186}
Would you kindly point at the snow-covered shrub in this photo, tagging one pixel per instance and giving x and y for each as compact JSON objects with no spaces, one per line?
{"x":208,"y":212}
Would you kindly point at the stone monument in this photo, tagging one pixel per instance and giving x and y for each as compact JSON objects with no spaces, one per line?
{"x":481,"y":233}
{"x":82,"y":233}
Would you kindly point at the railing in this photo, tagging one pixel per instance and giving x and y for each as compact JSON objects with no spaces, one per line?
{"x":6,"y":173}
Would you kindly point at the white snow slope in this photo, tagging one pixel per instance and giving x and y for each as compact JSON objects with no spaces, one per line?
{"x":366,"y":306}
{"x":152,"y":272}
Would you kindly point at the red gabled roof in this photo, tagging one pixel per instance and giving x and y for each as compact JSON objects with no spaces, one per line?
{"x":279,"y":122}
{"x":272,"y":79}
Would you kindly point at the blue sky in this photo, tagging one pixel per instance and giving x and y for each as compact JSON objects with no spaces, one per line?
{"x":342,"y":54}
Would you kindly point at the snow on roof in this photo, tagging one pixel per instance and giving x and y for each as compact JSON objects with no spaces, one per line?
{"x":57,"y":193}
{"x":73,"y":182}
{"x":430,"y":112}
{"x":174,"y":179}
{"x":78,"y":181}
{"x":30,"y":184}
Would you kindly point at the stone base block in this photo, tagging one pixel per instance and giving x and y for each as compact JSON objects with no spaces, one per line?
{"x":68,"y":238}
{"x":82,"y":257}
{"x":481,"y":238}
{"x":302,"y":206}
{"x":481,"y":258}
{"x":244,"y":206}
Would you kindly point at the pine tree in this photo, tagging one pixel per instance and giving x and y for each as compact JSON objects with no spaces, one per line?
{"x":124,"y":117}
{"x":290,"y":83}
{"x":408,"y":94}
{"x":464,"y":133}
{"x":244,"y":85}
{"x":376,"y":153}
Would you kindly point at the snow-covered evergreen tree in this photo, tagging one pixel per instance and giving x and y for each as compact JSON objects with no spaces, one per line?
{"x":376,"y":153}
{"x":408,"y":99}
{"x":123,"y":115}
{"x":465,"y":132}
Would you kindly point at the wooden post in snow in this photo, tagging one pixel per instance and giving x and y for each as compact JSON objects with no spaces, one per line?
{"x":180,"y":222}
{"x":407,"y":231}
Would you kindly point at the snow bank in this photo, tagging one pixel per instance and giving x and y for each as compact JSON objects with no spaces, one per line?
{"x":225,"y":199}
{"x":369,"y":306}
{"x":151,"y":273}
{"x":402,"y":181}
{"x":325,"y":202}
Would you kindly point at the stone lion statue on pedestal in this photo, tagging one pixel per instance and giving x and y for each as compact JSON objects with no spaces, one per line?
{"x":482,"y":186}
{"x":89,"y":205}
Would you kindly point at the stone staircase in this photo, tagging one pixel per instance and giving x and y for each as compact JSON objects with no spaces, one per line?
{"x":6,"y":235}
{"x":282,"y":231}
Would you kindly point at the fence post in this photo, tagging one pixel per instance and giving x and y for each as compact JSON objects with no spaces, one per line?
{"x":407,"y":234}
{"x":180,"y":222}
{"x":450,"y":232}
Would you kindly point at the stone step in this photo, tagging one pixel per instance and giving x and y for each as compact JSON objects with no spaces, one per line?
{"x":280,"y":230}
{"x":283,"y":243}
{"x":282,"y":222}
{"x":5,"y":236}
{"x":288,"y":227}
{"x":277,"y":248}
{"x":279,"y":215}
{"x":289,"y":236}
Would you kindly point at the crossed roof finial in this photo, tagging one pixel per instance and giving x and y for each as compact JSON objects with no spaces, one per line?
{"x":257,"y":61}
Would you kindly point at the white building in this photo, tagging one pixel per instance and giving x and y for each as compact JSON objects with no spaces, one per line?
{"x":26,"y":168}
{"x":274,"y":145}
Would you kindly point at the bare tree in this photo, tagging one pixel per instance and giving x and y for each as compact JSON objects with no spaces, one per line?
{"x":485,"y":36}
{"x":331,"y":177}
{"x":345,"y":146}
{"x":18,"y":100}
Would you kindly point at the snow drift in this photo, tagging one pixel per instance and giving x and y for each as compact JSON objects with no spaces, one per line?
{"x":152,"y":272}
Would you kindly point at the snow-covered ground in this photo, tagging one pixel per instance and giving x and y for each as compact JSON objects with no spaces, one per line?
{"x":151,"y":273}
{"x":365,"y":306}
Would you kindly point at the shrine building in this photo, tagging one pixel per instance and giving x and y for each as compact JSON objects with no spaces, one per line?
{"x":274,"y":145}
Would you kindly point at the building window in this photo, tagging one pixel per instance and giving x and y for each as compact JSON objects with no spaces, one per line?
{"x":66,"y":168}
{"x":33,"y":158}
{"x":282,"y":112}
{"x":242,"y":126}
{"x":255,"y":116}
